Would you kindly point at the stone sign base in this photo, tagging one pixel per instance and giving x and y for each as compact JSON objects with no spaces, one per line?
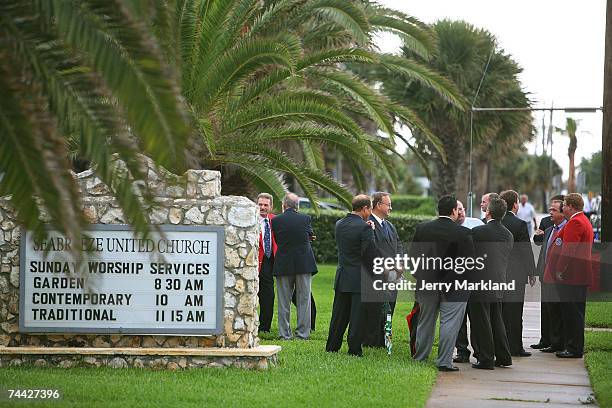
{"x":259,"y":358}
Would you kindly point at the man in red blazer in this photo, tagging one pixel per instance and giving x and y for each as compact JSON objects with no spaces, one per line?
{"x":267,"y":250}
{"x":570,"y":269}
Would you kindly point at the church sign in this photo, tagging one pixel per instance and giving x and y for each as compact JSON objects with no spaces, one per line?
{"x":168,"y":283}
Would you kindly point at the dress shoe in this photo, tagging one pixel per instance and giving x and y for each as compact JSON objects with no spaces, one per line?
{"x":483,"y":366}
{"x":521,"y":353}
{"x":461,"y":359}
{"x":448,"y":369}
{"x":503,"y":364}
{"x":567,"y":354}
{"x":550,"y":349}
{"x":539,"y":346}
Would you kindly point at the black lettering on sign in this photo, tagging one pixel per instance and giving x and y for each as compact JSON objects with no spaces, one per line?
{"x":194,"y":284}
{"x":194,"y":300}
{"x":195,"y":316}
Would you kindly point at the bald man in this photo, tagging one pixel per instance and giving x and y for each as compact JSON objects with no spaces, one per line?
{"x":294,"y":266}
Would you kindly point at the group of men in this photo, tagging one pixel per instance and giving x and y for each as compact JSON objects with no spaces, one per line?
{"x":496,"y":316}
{"x":285,"y":252}
{"x":500,"y":240}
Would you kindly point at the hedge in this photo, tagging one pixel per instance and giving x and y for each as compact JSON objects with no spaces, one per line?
{"x":324,"y":225}
{"x":408,"y":204}
{"x":413,"y":204}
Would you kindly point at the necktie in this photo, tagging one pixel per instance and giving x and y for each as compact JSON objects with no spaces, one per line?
{"x":267,"y":239}
{"x":552,"y":234}
{"x":386,"y":229}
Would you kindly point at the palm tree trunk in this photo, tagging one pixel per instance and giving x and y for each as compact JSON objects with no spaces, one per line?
{"x":571,"y":181}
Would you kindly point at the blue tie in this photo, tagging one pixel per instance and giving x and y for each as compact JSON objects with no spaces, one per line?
{"x":267,"y":239}
{"x":386,"y":229}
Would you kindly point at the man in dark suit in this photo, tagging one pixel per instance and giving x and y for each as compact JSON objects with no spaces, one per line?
{"x":521,"y":269}
{"x":267,"y":250}
{"x":551,"y":323}
{"x":293,"y":267}
{"x":356,"y":251}
{"x":438,"y":242}
{"x":388,"y":244}
{"x":539,"y":238}
{"x":570,"y":269}
{"x":493,"y":243}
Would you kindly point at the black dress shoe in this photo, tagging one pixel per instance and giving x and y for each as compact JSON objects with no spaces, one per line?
{"x":503,"y":364}
{"x":448,"y":369}
{"x":483,"y":366}
{"x":567,"y":354}
{"x":539,"y":346}
{"x":521,"y":353}
{"x":461,"y":359}
{"x":550,"y":349}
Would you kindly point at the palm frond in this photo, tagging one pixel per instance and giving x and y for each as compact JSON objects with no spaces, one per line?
{"x":360,"y":92}
{"x":414,"y":70}
{"x":119,"y":49}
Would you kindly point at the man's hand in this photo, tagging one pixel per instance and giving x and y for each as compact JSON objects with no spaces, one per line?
{"x":313,"y":237}
{"x":559,"y":276}
{"x":371,"y":224}
{"x":538,"y":232}
{"x":532,"y":280}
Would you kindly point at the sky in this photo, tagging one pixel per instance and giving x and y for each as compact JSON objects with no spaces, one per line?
{"x":558,"y":43}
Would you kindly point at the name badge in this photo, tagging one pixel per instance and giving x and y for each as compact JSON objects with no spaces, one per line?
{"x":558,"y":242}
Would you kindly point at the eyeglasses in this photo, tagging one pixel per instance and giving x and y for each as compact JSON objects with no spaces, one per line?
{"x":387,"y":204}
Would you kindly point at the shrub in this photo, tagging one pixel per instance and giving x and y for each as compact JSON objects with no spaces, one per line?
{"x":324,"y":225}
{"x":413,"y":204}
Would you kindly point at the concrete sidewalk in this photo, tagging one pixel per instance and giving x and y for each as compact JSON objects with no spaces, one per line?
{"x":541,"y":380}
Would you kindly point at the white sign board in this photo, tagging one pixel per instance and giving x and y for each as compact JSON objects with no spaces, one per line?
{"x":170,"y":283}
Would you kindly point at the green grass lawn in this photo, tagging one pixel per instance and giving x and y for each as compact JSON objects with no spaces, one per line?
{"x":598,"y":357}
{"x":306,"y":375}
{"x":599,"y":314}
{"x":598,"y":360}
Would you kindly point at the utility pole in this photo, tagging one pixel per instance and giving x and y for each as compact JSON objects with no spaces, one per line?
{"x":606,"y":144}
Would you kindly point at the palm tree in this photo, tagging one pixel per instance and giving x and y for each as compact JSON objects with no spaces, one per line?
{"x":463,"y":53}
{"x":571,"y":126}
{"x":91,"y":70}
{"x":270,"y":91}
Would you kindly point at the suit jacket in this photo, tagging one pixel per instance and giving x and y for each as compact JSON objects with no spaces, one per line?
{"x":521,"y":264}
{"x":356,"y":252}
{"x":493,"y":242}
{"x":545,"y":223}
{"x":541,"y":265}
{"x":294,"y":254}
{"x":442,"y":238}
{"x":388,"y":247}
{"x":261,"y":243}
{"x":570,"y":253}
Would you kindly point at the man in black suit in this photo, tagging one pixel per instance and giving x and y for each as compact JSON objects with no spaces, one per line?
{"x":356,"y":252}
{"x":388,"y":244}
{"x":441,"y":244}
{"x":493,"y":243}
{"x":539,"y":238}
{"x":552,"y":318}
{"x":294,"y":266}
{"x":521,"y":269}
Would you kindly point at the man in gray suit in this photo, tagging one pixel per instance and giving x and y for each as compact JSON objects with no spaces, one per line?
{"x":441,"y":239}
{"x":294,"y":266}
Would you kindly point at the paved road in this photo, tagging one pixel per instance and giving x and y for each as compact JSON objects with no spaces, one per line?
{"x":542,"y":380}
